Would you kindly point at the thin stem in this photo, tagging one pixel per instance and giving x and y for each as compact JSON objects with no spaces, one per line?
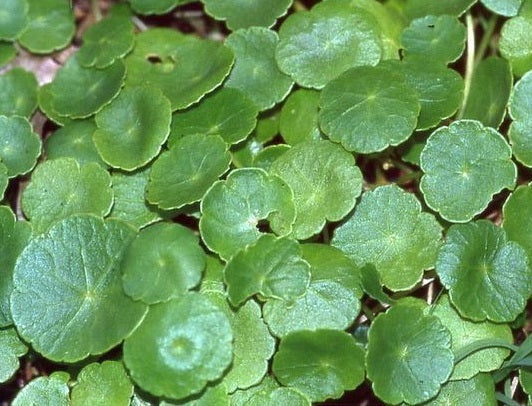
{"x":475,"y":346}
{"x":470,"y":61}
{"x":486,"y":38}
{"x":139,"y":23}
{"x":96,"y":12}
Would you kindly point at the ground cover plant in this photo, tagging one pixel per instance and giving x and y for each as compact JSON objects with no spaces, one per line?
{"x":265,"y":202}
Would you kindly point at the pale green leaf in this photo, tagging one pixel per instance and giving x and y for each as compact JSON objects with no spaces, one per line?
{"x":506,"y":8}
{"x":520,"y":132}
{"x":479,"y":390}
{"x":515,"y":40}
{"x":43,"y":391}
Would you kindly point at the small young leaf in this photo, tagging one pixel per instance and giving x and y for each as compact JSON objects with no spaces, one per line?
{"x":79,"y":92}
{"x":408,"y":356}
{"x":105,"y":41}
{"x":132,"y":128}
{"x":102,"y":384}
{"x":316,"y":46}
{"x":299,"y":117}
{"x":19,"y":93}
{"x":14,"y":236}
{"x":50,"y":26}
{"x":67,"y":279}
{"x":180,"y":346}
{"x":325,"y":181}
{"x":19,"y":145}
{"x":246,"y":13}
{"x":434,"y":38}
{"x":45,"y":391}
{"x":129,"y":202}
{"x":163,"y":262}
{"x":520,"y":132}
{"x":253,"y":345}
{"x":516,"y":36}
{"x":367,"y":109}
{"x":420,"y":8}
{"x":479,"y":390}
{"x":321,"y":364}
{"x":464,"y":165}
{"x":83,"y":189}
{"x":490,"y":89}
{"x":183,"y":67}
{"x":271,"y":266}
{"x":488,"y":277}
{"x":256,"y":73}
{"x":517,"y":214}
{"x":464,"y":332}
{"x":389,"y":230}
{"x":11,"y":348}
{"x":372,"y":285}
{"x":231,"y":210}
{"x":13,"y":18}
{"x":226,"y":112}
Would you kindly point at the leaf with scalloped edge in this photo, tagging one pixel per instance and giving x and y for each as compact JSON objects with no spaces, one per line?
{"x":420,"y":8}
{"x":133,"y":127}
{"x":182,"y":174}
{"x":180,"y":346}
{"x":488,"y":277}
{"x":256,"y":73}
{"x":479,"y":390}
{"x":389,"y":229}
{"x":515,"y":39}
{"x":83,"y":189}
{"x":316,"y":171}
{"x":322,"y":364}
{"x":520,"y":132}
{"x":50,"y":27}
{"x":11,"y":349}
{"x":185,"y":68}
{"x":212,"y":395}
{"x":232,"y":208}
{"x":408,"y":355}
{"x":79,"y":92}
{"x":369,"y":108}
{"x":272,"y":267}
{"x":464,"y":165}
{"x":19,"y":93}
{"x":13,"y":18}
{"x":44,"y":390}
{"x":102,"y":384}
{"x":19,"y":145}
{"x":299,"y":117}
{"x":67,"y":278}
{"x":517,"y":218}
{"x":44,"y":99}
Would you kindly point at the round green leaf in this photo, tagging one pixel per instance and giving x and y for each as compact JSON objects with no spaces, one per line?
{"x":506,"y":8}
{"x":50,"y":27}
{"x":163,"y":262}
{"x":517,"y":214}
{"x":79,"y":92}
{"x":489,"y":92}
{"x":43,"y":391}
{"x":435,"y":38}
{"x":132,"y":128}
{"x":367,"y":108}
{"x":299,"y":117}
{"x":106,"y":41}
{"x":252,"y":346}
{"x":180,"y":346}
{"x":226,"y":112}
{"x":464,"y":165}
{"x":440,"y":90}
{"x":479,"y":390}
{"x":420,"y":8}
{"x":231,"y":210}
{"x":246,"y":13}
{"x":321,"y":364}
{"x":464,"y":332}
{"x":271,"y":266}
{"x":183,"y":67}
{"x":102,"y":384}
{"x":155,"y":6}
{"x":488,"y":277}
{"x":11,"y":348}
{"x":82,"y":189}
{"x":256,"y":73}
{"x":316,"y":171}
{"x":316,"y":46}
{"x":13,"y":18}
{"x":331,"y":300}
{"x":520,"y":108}
{"x":8,"y":52}
{"x":65,"y":283}
{"x":390,"y":230}
{"x":129,"y":203}
{"x":187,"y":170}
{"x":516,"y":36}
{"x":19,"y":93}
{"x":74,"y":140}
{"x":14,"y":236}
{"x":408,"y":355}
{"x":19,"y":145}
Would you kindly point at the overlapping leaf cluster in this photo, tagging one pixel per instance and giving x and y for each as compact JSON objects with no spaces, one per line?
{"x":223,"y":210}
